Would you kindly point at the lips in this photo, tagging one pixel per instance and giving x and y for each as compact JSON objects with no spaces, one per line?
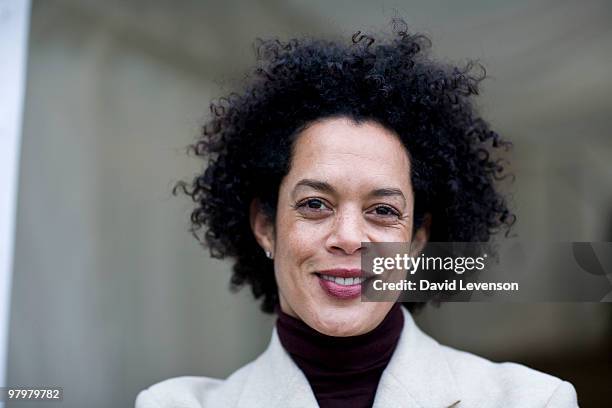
{"x":342,"y":283}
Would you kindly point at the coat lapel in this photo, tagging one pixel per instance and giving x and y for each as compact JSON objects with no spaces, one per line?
{"x":276,"y":381}
{"x":417,"y":376}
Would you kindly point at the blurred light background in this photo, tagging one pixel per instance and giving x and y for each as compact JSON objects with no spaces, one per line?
{"x":110,"y":291}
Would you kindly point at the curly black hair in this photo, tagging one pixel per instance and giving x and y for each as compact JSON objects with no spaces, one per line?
{"x":391,"y":80}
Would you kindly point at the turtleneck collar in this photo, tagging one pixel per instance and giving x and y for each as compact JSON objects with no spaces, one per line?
{"x":342,"y":371}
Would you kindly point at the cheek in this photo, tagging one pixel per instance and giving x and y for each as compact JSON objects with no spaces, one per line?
{"x":389,"y":233}
{"x":295,"y":234}
{"x":298,"y":241}
{"x":297,"y":244}
{"x":401,"y":234}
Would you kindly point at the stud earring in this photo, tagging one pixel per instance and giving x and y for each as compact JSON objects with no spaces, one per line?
{"x":269,"y":254}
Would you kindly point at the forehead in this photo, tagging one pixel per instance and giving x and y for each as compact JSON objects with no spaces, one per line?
{"x":339,"y":145}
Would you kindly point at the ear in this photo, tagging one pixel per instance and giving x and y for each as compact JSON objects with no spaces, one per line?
{"x":421,"y":235}
{"x":262,"y":226}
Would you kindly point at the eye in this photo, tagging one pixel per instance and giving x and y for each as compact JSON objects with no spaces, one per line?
{"x":386,"y":212}
{"x":313,"y":206}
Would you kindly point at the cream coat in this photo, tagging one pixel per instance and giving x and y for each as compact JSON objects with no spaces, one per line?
{"x":420,"y":374}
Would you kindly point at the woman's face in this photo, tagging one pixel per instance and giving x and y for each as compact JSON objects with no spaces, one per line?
{"x":347,"y":184}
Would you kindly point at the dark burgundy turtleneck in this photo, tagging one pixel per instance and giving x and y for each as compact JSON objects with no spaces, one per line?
{"x":342,"y":371}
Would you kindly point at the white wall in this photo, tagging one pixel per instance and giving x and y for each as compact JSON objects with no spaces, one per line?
{"x":14,"y":20}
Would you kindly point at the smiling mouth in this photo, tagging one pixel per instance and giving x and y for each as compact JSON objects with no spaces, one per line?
{"x":341,"y":281}
{"x":343,"y":284}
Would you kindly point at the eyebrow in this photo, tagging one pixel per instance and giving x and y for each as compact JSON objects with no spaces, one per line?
{"x":327,"y":188}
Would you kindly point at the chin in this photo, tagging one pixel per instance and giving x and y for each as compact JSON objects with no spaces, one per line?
{"x":339,"y":323}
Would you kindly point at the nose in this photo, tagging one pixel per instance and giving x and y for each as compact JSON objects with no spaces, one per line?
{"x":347,"y":233}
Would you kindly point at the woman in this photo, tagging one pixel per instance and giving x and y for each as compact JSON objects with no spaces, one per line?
{"x":327,"y":147}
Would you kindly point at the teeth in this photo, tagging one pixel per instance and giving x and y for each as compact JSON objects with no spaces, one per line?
{"x":342,"y":281}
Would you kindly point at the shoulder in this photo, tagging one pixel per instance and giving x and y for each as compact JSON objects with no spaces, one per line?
{"x":194,"y":392}
{"x":263,"y":382}
{"x":482,"y":380}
